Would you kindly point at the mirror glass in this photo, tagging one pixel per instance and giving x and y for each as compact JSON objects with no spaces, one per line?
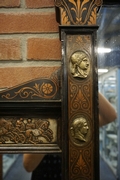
{"x":108,"y":38}
{"x":13,"y":168}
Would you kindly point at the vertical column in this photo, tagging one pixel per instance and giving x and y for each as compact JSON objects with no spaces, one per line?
{"x":80,"y":125}
{"x":80,"y":106}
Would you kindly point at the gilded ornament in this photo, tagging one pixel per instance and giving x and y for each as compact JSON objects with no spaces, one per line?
{"x":27,"y":131}
{"x":79,"y":64}
{"x":79,"y":129}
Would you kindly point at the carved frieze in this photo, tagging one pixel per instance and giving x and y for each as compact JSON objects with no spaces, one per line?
{"x":27,"y":130}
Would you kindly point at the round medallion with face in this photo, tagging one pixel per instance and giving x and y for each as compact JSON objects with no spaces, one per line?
{"x":80,"y":130}
{"x":79,"y":64}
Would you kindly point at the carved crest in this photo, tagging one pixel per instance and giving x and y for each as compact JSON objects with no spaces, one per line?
{"x":78,"y":12}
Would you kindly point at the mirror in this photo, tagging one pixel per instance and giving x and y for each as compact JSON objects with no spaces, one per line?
{"x":10,"y":172}
{"x":109,"y":85}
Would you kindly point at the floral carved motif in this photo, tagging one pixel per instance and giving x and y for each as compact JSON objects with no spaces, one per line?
{"x":36,"y":89}
{"x":78,"y":12}
{"x":40,"y":90}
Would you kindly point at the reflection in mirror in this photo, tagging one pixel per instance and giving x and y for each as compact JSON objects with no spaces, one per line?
{"x":8,"y":160}
{"x":13,"y":167}
{"x":43,"y":166}
{"x":49,"y":167}
{"x":108,"y":38}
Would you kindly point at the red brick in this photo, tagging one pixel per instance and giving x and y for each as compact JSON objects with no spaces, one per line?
{"x":43,"y":49}
{"x":28,"y":22}
{"x":39,"y":3}
{"x":9,"y":3}
{"x":10,"y":49}
{"x":14,"y":76}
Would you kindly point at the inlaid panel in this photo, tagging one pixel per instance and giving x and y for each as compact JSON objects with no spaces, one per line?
{"x":81,"y":105}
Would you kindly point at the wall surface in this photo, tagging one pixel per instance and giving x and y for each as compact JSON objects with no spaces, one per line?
{"x":29,"y":41}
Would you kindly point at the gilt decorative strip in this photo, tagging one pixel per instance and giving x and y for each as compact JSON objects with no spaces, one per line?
{"x":80,"y":105}
{"x":78,"y":12}
{"x":42,"y":89}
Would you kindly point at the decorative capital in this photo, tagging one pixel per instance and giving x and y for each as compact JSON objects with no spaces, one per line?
{"x":78,"y":12}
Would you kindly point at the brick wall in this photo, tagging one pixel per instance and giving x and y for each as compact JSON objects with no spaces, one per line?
{"x":29,"y":41}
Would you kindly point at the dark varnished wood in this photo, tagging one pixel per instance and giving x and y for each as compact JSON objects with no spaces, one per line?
{"x":80,"y":159}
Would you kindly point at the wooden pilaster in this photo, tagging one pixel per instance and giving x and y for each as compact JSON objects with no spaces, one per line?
{"x":80,"y":125}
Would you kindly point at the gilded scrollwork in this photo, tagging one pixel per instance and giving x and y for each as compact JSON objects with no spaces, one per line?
{"x":27,"y":130}
{"x":79,"y":42}
{"x":78,"y":12}
{"x":36,"y":89}
{"x":79,"y":98}
{"x":79,"y":64}
{"x":39,"y":89}
{"x":44,"y":90}
{"x":80,"y":163}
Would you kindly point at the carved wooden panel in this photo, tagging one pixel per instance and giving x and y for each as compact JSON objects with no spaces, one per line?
{"x":80,"y":106}
{"x":30,"y":116}
{"x":79,"y":110}
{"x":79,"y":80}
{"x":78,"y":12}
{"x":18,"y":131}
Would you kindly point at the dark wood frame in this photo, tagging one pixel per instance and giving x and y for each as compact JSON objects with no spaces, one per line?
{"x":112,"y":2}
{"x":72,"y":30}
